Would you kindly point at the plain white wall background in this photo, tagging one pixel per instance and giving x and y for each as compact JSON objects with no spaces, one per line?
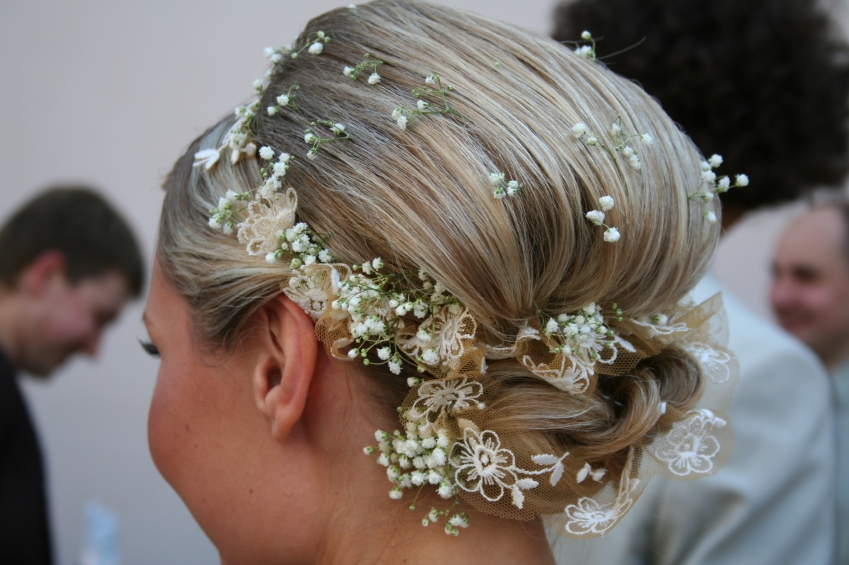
{"x":110,"y":94}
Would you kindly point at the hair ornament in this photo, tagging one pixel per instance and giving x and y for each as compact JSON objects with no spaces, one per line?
{"x":611,"y":234}
{"x":451,"y":437}
{"x":502,"y":187}
{"x":712,"y":185}
{"x":433,"y":88}
{"x":586,"y":51}
{"x":368,"y":62}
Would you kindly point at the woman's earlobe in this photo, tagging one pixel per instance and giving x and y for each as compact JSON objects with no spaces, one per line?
{"x":285,"y":365}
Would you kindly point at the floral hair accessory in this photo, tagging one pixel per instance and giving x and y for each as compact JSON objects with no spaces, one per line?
{"x":586,"y":51}
{"x":283,"y":101}
{"x":433,"y":88}
{"x":502,"y":187}
{"x":611,"y":235}
{"x":336,"y":128}
{"x":712,"y":185}
{"x":369,"y":62}
{"x":314,"y":44}
{"x":453,"y":437}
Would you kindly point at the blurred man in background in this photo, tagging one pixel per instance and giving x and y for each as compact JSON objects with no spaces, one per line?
{"x":68,"y":264}
{"x":765,"y":84}
{"x":810,"y":297}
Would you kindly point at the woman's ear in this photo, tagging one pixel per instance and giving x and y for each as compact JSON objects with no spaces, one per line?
{"x":284,"y":368}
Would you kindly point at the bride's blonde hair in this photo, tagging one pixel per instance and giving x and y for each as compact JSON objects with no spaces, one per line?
{"x":420,"y":199}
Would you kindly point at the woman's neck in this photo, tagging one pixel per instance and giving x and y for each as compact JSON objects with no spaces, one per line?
{"x":401,"y":538}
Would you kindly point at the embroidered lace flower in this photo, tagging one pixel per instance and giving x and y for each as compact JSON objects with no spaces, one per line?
{"x":690,"y":448}
{"x":488,"y":469}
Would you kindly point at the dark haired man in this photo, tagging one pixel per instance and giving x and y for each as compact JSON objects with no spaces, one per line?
{"x":764,"y":83}
{"x":68,"y":264}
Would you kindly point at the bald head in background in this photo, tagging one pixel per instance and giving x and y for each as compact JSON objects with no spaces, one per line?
{"x":810,"y":286}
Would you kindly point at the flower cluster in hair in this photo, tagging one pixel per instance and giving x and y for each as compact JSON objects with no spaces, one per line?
{"x":418,"y":459}
{"x":583,"y":333}
{"x":622,"y":142}
{"x":336,"y":128}
{"x":712,"y":185}
{"x":283,"y":101}
{"x":222,"y":217}
{"x":501,"y":187}
{"x":378,"y":302}
{"x":314,"y":44}
{"x":586,"y":51}
{"x":369,"y":62}
{"x":611,"y":234}
{"x":433,"y":88}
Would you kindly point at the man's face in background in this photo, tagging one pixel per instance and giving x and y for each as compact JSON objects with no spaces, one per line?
{"x":810,"y":287}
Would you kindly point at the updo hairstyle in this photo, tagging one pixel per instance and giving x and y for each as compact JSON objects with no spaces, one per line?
{"x":420,"y":198}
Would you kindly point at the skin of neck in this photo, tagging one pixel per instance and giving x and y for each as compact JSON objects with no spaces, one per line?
{"x":363,"y":525}
{"x":12,"y":323}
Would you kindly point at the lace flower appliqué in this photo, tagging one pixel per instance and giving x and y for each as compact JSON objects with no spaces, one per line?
{"x":588,"y":517}
{"x":266,"y":219}
{"x":448,"y":396}
{"x":690,"y":447}
{"x":489,"y":469}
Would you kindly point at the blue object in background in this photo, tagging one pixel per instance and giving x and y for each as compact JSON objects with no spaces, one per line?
{"x":100,"y":546}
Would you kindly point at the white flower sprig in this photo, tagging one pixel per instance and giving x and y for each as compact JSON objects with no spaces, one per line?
{"x":377,"y":302}
{"x":583,"y":333}
{"x":338,"y":130}
{"x":711,"y":185}
{"x":586,"y":51}
{"x":284,"y":100}
{"x":622,"y":143}
{"x":501,"y":187}
{"x":277,"y":55}
{"x":611,"y":234}
{"x":222,"y":217}
{"x":304,"y":246}
{"x":314,"y":44}
{"x":273,"y":172}
{"x":415,"y":461}
{"x":434,"y":88}
{"x":369,"y":62}
{"x":238,"y":139}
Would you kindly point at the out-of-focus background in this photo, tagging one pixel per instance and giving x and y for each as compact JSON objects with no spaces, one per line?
{"x":110,"y":94}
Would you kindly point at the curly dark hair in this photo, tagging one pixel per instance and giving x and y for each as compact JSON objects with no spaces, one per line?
{"x":764,"y":83}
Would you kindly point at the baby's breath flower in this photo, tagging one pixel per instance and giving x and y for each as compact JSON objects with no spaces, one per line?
{"x":283,"y":100}
{"x":271,"y":110}
{"x":266,"y":153}
{"x":605,"y":203}
{"x":316,"y":48}
{"x":611,"y":235}
{"x":715,"y":161}
{"x":586,"y":35}
{"x":741,"y":180}
{"x":596,"y":217}
{"x":347,"y":71}
{"x":579,"y":129}
{"x":402,"y":122}
{"x":646,"y":139}
{"x":258,"y":85}
{"x":374,"y":78}
{"x":710,"y":216}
